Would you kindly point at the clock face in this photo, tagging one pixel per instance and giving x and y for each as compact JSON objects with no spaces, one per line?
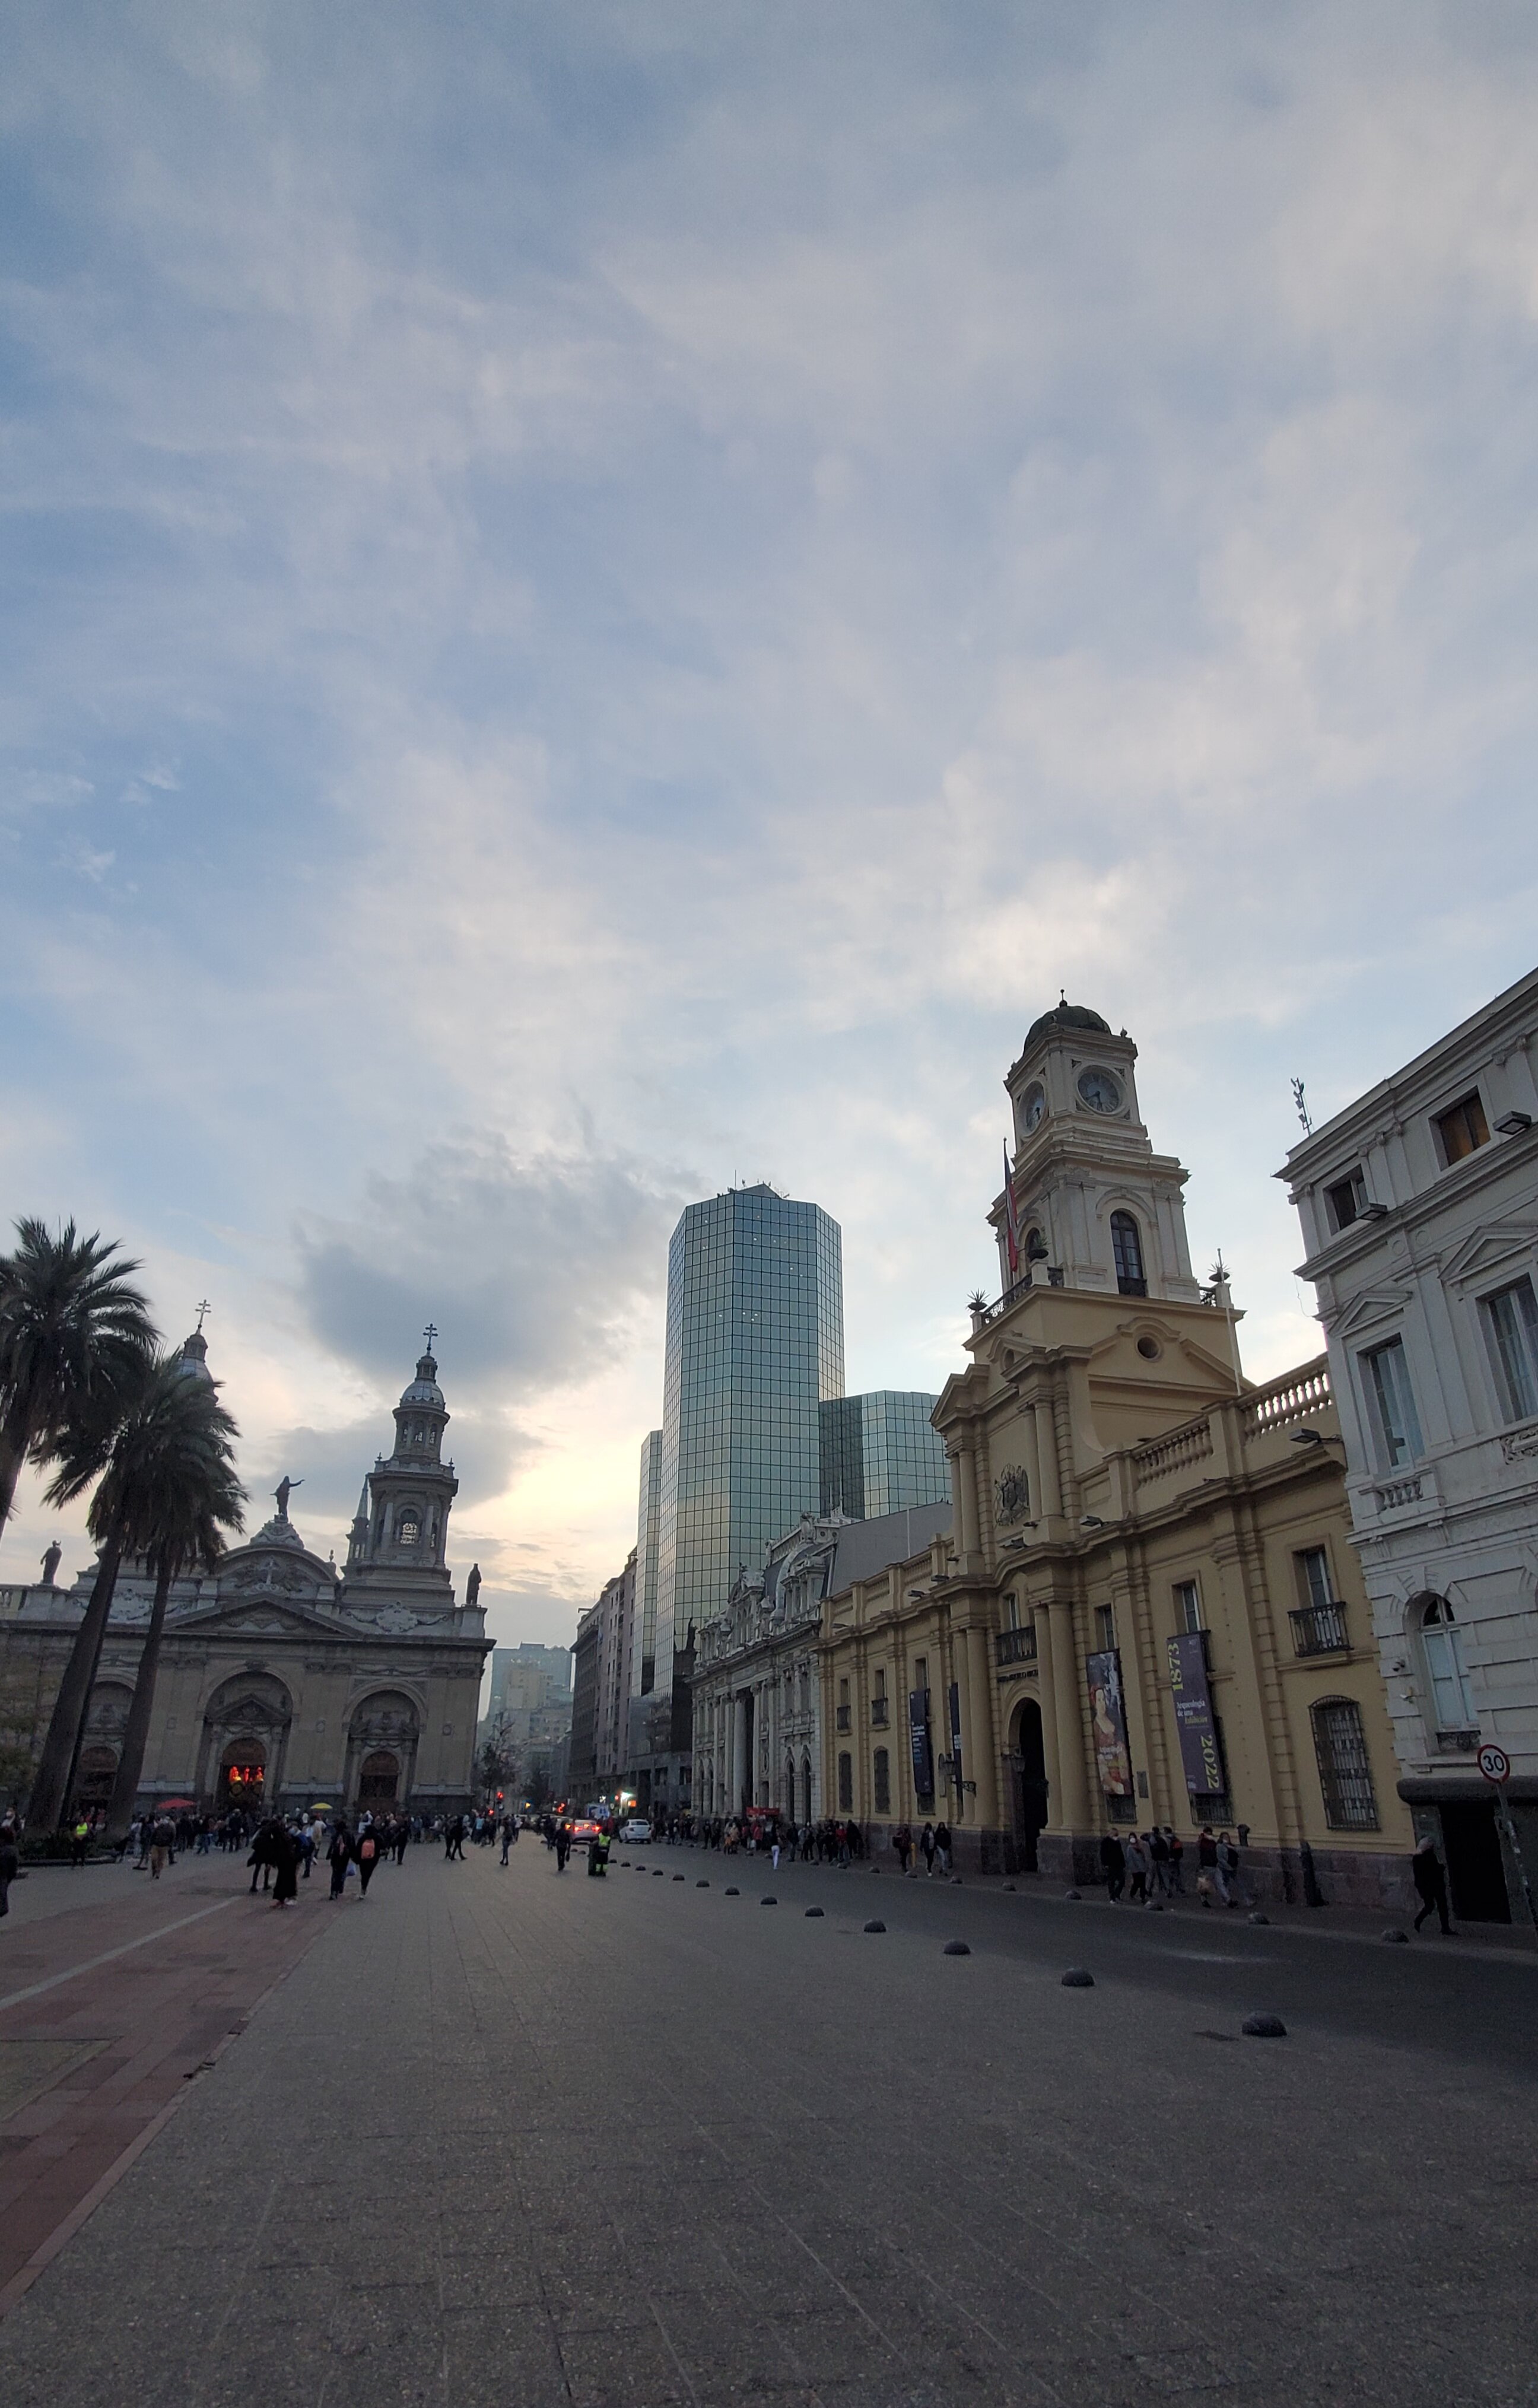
{"x":1032,"y":1107}
{"x":1100,"y":1091}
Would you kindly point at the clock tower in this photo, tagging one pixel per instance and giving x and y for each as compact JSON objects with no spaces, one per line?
{"x":1096,"y":1208}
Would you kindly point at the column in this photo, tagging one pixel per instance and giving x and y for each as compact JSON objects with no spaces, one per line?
{"x":977,"y":1718}
{"x":964,"y":1484}
{"x":1047,"y":1699}
{"x":1051,"y":1499}
{"x":1074,"y":1801}
{"x":742,"y":1769}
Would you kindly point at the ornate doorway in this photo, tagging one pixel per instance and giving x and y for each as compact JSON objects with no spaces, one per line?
{"x":94,"y":1777}
{"x":1029,"y":1756}
{"x":379,"y":1782}
{"x":242,"y":1777}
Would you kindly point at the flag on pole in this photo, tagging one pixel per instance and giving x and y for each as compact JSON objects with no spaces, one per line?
{"x":1012,"y":1221}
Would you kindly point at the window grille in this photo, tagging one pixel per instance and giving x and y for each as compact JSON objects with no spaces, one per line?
{"x":1345,"y":1775}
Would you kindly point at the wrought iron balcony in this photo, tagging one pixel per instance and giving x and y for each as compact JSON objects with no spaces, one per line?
{"x":1016,"y":1646}
{"x":1320,"y":1629}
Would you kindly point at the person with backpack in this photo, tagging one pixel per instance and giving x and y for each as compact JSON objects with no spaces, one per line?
{"x":339,"y":1856}
{"x":902,"y":1840}
{"x":368,"y":1856}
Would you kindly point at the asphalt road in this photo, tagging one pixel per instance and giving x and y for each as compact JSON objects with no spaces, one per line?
{"x":516,"y":2137}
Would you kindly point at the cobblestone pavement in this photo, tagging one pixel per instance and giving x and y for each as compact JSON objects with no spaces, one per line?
{"x":513,"y":2138}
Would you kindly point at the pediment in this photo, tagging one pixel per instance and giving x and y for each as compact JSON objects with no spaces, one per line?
{"x":1374,"y":1306}
{"x":1494,"y":1247}
{"x":258,"y":1618}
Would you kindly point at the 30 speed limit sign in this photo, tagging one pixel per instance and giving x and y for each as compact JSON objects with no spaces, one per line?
{"x":1495,"y":1764}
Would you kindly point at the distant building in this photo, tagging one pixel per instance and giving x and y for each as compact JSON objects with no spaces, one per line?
{"x":600,"y":1688}
{"x":759,"y":1708}
{"x":1419,"y":1207}
{"x":878,"y":1452}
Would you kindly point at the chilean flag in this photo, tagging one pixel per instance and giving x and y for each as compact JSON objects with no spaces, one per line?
{"x":1011,"y":1220}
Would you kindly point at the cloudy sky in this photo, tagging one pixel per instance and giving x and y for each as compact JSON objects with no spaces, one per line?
{"x":599,"y":600}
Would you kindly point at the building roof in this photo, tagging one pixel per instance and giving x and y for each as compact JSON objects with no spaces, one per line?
{"x":1064,"y":1015}
{"x":866,"y":1548}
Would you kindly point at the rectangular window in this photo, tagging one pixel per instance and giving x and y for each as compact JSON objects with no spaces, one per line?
{"x":1105,"y":1628}
{"x":846,"y":1782}
{"x":1318,"y":1624}
{"x":1393,"y":1404}
{"x":1315,"y":1585}
{"x":1511,"y":1329}
{"x":881,"y":1769}
{"x":1187,"y":1606}
{"x":1346,"y":1199}
{"x":1462,"y":1130}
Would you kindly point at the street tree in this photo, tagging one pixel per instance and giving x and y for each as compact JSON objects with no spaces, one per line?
{"x":75,"y":1339}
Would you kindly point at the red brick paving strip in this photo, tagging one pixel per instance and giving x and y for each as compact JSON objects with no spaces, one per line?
{"x":206,"y":1953}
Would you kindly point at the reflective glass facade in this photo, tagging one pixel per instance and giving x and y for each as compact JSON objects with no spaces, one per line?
{"x":755,"y":1344}
{"x":648,"y":1538}
{"x":880,"y":1454}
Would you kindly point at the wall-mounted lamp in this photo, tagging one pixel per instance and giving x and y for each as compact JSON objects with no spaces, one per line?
{"x":1316,"y":1438}
{"x":1371,"y":1211}
{"x":1092,"y":1522}
{"x":1515,"y":1124}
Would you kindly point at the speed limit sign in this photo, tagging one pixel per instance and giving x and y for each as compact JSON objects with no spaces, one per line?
{"x":1495,"y":1764}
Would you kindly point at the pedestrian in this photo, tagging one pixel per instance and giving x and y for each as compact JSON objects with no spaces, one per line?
{"x":1138,"y":1864}
{"x":11,"y":1862}
{"x":1114,"y":1864}
{"x":338,"y":1855}
{"x":1208,"y":1878}
{"x":927,"y":1850}
{"x":80,"y":1839}
{"x":1431,"y":1880}
{"x":1235,"y":1889}
{"x":285,"y":1858}
{"x":162,"y":1836}
{"x":368,"y":1856}
{"x":1158,"y":1857}
{"x":1176,"y":1846}
{"x":563,"y":1846}
{"x":902,"y":1840}
{"x":507,"y":1836}
{"x":942,"y":1845}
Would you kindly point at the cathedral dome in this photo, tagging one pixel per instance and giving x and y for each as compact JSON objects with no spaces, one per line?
{"x":1064,"y":1015}
{"x":192,"y":1359}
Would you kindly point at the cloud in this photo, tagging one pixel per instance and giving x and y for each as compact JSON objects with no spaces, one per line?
{"x":532,"y":1266}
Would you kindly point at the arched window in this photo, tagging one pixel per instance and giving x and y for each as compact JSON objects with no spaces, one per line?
{"x":846,"y":1781}
{"x":1442,"y":1641}
{"x":1345,"y":1775}
{"x":1127,"y":1246}
{"x":1036,"y":1246}
{"x":882,"y":1771}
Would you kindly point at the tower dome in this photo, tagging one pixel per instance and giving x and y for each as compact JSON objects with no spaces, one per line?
{"x":1064,"y":1015}
{"x":424,"y":1389}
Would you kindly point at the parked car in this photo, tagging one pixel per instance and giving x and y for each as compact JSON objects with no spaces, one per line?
{"x":583,"y":1830}
{"x":634,"y":1833}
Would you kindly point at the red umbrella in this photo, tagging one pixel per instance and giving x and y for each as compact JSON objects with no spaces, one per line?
{"x":179,"y":1801}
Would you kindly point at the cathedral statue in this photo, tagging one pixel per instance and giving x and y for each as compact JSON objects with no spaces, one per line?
{"x":282,"y":1492}
{"x":473,"y":1586}
{"x":50,"y":1562}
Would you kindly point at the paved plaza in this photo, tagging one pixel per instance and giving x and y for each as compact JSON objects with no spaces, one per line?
{"x":506,"y":2137}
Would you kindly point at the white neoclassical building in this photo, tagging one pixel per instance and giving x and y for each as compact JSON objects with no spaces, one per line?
{"x":1419,"y":1207}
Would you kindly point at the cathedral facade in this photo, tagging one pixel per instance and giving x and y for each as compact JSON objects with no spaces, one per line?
{"x":286,"y":1681}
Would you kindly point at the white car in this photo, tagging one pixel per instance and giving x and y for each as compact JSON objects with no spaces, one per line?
{"x":634,"y":1833}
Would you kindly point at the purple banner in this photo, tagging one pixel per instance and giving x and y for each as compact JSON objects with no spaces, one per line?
{"x":1108,"y":1720}
{"x":1200,"y":1753}
{"x":955,"y":1737}
{"x":918,"y":1732}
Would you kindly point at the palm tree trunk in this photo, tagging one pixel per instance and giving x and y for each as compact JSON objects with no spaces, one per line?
{"x":130,"y":1762}
{"x":11,"y":1459}
{"x":55,"y":1774}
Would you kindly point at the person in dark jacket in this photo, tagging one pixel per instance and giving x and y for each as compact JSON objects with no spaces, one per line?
{"x":339,"y":1856}
{"x":563,"y":1846}
{"x":11,"y":1862}
{"x":285,"y":1858}
{"x":1113,"y":1863}
{"x":1431,"y":1880}
{"x":368,"y":1854}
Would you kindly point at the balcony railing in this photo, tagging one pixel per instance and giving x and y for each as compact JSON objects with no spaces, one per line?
{"x":1190,"y":1443}
{"x":1301,"y":1395}
{"x":879,"y":1716}
{"x":1017,"y":1646}
{"x":1320,"y":1629}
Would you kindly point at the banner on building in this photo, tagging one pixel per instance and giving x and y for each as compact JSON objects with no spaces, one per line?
{"x":918,"y":1732}
{"x":955,"y":1737}
{"x":1200,"y":1752}
{"x":1108,"y":1719}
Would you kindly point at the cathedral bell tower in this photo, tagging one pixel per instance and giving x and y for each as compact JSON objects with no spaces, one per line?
{"x":1094,"y":1206}
{"x":400,"y":1530}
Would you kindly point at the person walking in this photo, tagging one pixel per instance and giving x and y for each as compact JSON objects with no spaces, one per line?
{"x":1429,"y":1876}
{"x":563,"y":1846}
{"x":927,"y":1850}
{"x":162,"y":1838}
{"x":507,"y":1836}
{"x":1113,"y":1865}
{"x":1139,"y":1864}
{"x":902,"y":1840}
{"x":1176,"y":1846}
{"x":1208,"y":1878}
{"x":1230,"y":1866}
{"x":338,"y":1855}
{"x":11,"y":1862}
{"x":1159,"y":1858}
{"x":942,"y":1845}
{"x":368,"y":1856}
{"x":80,"y":1839}
{"x":285,"y":1858}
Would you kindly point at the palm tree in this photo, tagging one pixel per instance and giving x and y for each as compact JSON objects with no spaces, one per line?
{"x":197,"y":1498}
{"x":173,"y":1438}
{"x":75,"y":1336}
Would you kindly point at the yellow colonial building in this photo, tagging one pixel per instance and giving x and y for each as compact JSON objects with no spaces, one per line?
{"x":1148,"y":1610}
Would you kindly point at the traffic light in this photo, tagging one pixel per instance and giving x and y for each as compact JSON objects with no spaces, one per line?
{"x":499,"y":1797}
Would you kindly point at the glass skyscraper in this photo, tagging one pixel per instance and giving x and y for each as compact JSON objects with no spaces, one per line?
{"x":754,"y":1345}
{"x":878,"y":1454}
{"x":648,"y":1538}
